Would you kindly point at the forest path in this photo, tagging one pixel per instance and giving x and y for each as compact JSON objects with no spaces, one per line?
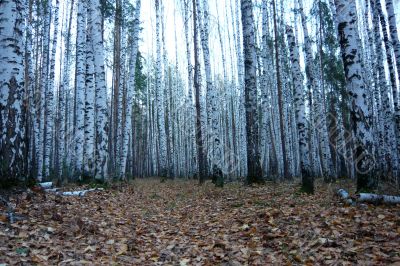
{"x":181,"y":223}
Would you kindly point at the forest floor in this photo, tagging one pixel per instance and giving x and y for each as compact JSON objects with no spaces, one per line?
{"x":181,"y":223}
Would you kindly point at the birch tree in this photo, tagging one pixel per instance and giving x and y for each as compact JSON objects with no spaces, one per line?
{"x":280,"y":95}
{"x":215,"y":148}
{"x":394,"y":34}
{"x":43,"y":88}
{"x":314,"y":89}
{"x":359,"y":109}
{"x":80,"y":75}
{"x":254,"y":174}
{"x":300,"y":110}
{"x":160,"y":98}
{"x":201,"y":157}
{"x":12,"y":138}
{"x":102,"y":153}
{"x":127,"y":136}
{"x":89,"y":151}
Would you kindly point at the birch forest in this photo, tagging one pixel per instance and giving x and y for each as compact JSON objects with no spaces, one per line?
{"x":199,"y":132}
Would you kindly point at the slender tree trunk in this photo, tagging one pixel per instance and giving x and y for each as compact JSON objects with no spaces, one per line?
{"x":280,"y":97}
{"x":394,"y":34}
{"x":130,"y":89}
{"x":201,"y":157}
{"x":90,"y":140}
{"x":254,"y":174}
{"x":50,"y":98}
{"x":117,"y":91}
{"x":359,"y":112}
{"x":215,"y":147}
{"x":160,"y":98}
{"x":63,"y":96}
{"x":43,"y":92}
{"x":80,"y":75}
{"x":29,"y":93}
{"x":390,"y":148}
{"x":299,"y":102}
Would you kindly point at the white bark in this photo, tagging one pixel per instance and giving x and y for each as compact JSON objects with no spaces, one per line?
{"x":80,"y":75}
{"x":299,"y":103}
{"x":320,"y":117}
{"x":11,"y":89}
{"x":215,"y":147}
{"x":189,"y":104}
{"x":344,"y":196}
{"x":130,"y":89}
{"x":360,"y":113}
{"x":46,"y":185}
{"x":394,"y":34}
{"x":265,"y":90}
{"x":50,"y":97}
{"x":250,"y":59}
{"x":396,"y":51}
{"x":79,"y":193}
{"x":240,"y":110}
{"x":160,"y":98}
{"x":389,"y":145}
{"x":89,"y":151}
{"x":101,"y":94}
{"x":63,"y":97}
{"x":374,"y":198}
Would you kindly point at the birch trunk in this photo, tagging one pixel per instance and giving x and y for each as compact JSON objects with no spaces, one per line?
{"x":12,"y":142}
{"x":43,"y":93}
{"x":50,"y":97}
{"x":89,"y":151}
{"x":394,"y":34}
{"x":280,"y":99}
{"x":300,"y":108}
{"x":215,"y":147}
{"x":62,"y":97}
{"x":102,"y":153}
{"x":389,"y":147}
{"x":359,"y":112}
{"x":254,"y":174}
{"x":162,"y":137}
{"x":201,"y":157}
{"x":80,"y":75}
{"x":127,"y":136}
{"x":319,"y":120}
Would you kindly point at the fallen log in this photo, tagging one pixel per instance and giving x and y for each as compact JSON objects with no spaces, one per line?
{"x":79,"y":193}
{"x":377,"y":199}
{"x":345,"y":196}
{"x":368,"y":198}
{"x":46,"y":185}
{"x":51,"y":190}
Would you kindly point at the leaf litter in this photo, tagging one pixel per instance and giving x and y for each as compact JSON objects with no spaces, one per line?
{"x":180,"y":223}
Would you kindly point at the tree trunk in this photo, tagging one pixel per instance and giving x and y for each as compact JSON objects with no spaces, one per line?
{"x":160,"y":98}
{"x":12,"y":142}
{"x":254,"y":174}
{"x":102,"y":153}
{"x":359,"y":112}
{"x":80,"y":75}
{"x":299,"y":103}
{"x":90,"y":141}
{"x":202,"y":160}
{"x":127,"y":136}
{"x":280,"y":96}
{"x":215,"y":147}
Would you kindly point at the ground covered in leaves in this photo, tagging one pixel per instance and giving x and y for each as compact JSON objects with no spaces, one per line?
{"x":179,"y":223}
